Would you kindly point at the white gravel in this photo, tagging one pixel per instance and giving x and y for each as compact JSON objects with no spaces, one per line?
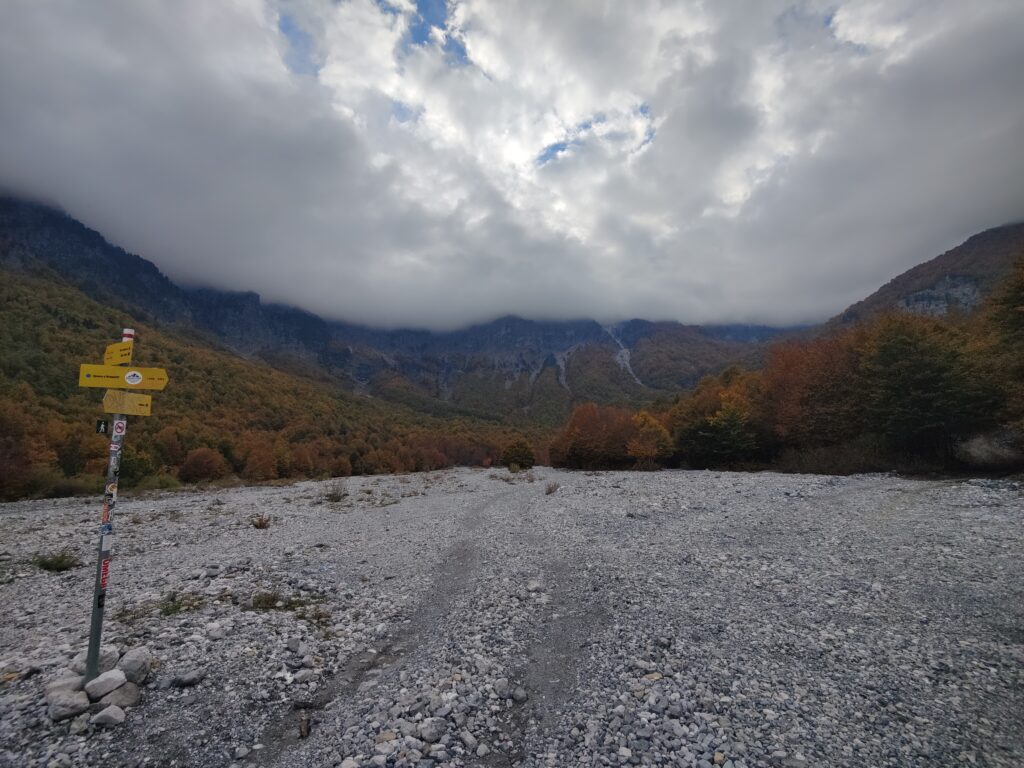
{"x":470,"y":618}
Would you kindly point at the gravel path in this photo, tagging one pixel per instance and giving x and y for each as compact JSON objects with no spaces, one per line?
{"x":472,"y":618}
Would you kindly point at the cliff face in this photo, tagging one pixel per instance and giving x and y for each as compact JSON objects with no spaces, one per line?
{"x":958,"y":279}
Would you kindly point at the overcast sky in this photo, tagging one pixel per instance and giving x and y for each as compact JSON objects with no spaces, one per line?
{"x":424,"y":164}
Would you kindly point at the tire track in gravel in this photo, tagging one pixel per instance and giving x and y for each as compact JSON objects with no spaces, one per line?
{"x":451,"y":579}
{"x":552,"y":662}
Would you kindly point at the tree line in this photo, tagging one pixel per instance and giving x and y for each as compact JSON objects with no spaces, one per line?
{"x":901,"y":391}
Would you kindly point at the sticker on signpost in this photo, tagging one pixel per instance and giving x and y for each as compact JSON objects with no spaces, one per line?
{"x":120,"y":426}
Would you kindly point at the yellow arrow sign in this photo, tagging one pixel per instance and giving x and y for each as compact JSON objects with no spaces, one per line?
{"x":117,"y":377}
{"x":118,"y":354}
{"x":128,"y":403}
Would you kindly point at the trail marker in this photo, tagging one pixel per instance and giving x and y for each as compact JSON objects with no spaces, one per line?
{"x":121,"y":377}
{"x":128,"y":403}
{"x":117,"y":373}
{"x":101,"y":426}
{"x":118,"y":354}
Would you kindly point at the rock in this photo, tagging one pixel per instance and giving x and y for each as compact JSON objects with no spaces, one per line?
{"x":534,"y":585}
{"x":241,"y":753}
{"x":304,"y":676}
{"x":483,"y":750}
{"x":501,"y":687}
{"x":63,"y":704}
{"x":188,"y":679}
{"x":79,"y":724}
{"x":469,"y":740}
{"x":519,"y":695}
{"x":109,"y":681}
{"x":432,"y":729}
{"x":112,"y":715}
{"x":107,"y":659}
{"x":348,"y":762}
{"x":136,"y":664}
{"x":125,"y":696}
{"x":215,"y":631}
{"x":625,"y":752}
{"x":74,"y":683}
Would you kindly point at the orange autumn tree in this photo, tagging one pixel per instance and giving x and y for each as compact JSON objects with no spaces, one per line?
{"x":651,"y":444}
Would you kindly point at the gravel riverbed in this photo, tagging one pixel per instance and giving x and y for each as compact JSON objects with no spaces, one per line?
{"x":477,"y":618}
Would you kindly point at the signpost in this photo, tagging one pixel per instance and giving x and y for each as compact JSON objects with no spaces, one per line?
{"x":118,"y":373}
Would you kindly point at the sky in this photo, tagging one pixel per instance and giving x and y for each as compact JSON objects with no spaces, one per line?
{"x":434,"y":164}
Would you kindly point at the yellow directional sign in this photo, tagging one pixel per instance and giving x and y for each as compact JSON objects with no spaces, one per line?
{"x":118,"y":354}
{"x":128,"y":403}
{"x":118,"y":377}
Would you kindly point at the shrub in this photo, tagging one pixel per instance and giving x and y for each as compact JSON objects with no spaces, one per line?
{"x":158,"y":482}
{"x":551,"y":488}
{"x":518,"y":453}
{"x":202,"y":464}
{"x":64,"y":560}
{"x":261,"y":522}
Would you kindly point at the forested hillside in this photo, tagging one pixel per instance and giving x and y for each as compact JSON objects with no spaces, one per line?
{"x":901,"y":391}
{"x":220,"y":414}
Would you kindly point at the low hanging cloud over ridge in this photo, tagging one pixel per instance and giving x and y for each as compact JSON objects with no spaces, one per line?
{"x":437,"y":164}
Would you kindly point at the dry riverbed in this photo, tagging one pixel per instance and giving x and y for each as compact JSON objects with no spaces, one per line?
{"x":471,"y":617}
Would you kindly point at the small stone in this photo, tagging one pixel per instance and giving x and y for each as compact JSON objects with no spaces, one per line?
{"x":501,"y":687}
{"x":112,"y":715}
{"x":348,"y":762}
{"x":625,"y":752}
{"x":64,"y":704}
{"x":432,"y":729}
{"x":241,"y":753}
{"x":304,"y":676}
{"x":125,"y":696}
{"x":79,"y":724}
{"x":534,"y":585}
{"x":136,"y":664}
{"x":719,"y":758}
{"x":109,"y":681}
{"x":215,"y":631}
{"x":482,"y":750}
{"x":469,"y":740}
{"x":190,"y":678}
{"x":383,"y":736}
{"x":519,"y":695}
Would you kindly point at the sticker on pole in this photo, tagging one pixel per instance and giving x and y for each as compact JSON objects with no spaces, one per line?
{"x":120,"y":426}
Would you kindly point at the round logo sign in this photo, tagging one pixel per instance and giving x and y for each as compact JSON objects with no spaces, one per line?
{"x":133,"y":378}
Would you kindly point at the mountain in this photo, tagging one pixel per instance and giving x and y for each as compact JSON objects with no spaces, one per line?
{"x":957,"y":280}
{"x":508,"y":369}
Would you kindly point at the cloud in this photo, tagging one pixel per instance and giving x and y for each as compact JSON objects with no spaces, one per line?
{"x":436,"y":165}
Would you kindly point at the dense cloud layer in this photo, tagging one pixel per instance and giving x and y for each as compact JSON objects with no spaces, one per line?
{"x":431,"y":166}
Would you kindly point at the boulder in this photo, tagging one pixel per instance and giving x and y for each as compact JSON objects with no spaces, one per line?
{"x":107,"y":659}
{"x":136,"y":664}
{"x":125,"y":696}
{"x":100,"y":686}
{"x":70,"y":683}
{"x":112,"y":715}
{"x":63,"y":704}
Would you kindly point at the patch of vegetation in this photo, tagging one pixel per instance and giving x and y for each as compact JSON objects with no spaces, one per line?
{"x":275,"y":601}
{"x":336,"y":492}
{"x":57,"y":562}
{"x":175,"y":602}
{"x":261,"y":522}
{"x":551,"y":488}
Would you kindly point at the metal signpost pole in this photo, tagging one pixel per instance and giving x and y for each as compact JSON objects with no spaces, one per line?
{"x":117,"y":432}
